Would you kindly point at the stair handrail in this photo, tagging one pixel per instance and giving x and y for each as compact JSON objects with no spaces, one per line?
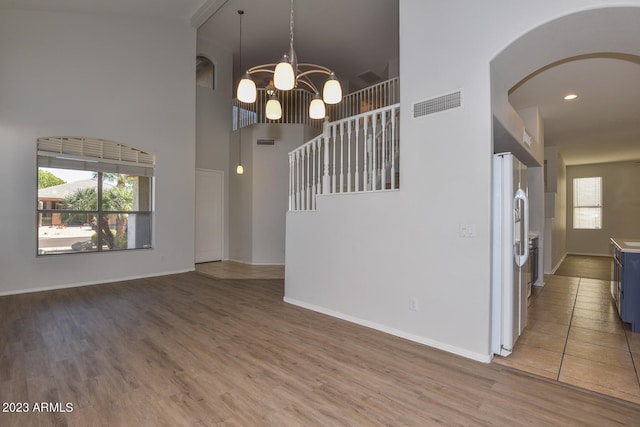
{"x":312,"y":166}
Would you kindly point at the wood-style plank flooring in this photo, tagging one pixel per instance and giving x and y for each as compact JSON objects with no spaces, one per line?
{"x":188,"y":350}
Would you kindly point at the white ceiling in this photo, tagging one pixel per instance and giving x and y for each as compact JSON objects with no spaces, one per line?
{"x":170,"y":9}
{"x":603,"y":123}
{"x":356,"y":36}
{"x":347,"y":36}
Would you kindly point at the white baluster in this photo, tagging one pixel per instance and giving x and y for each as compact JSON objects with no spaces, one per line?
{"x":298,"y":180}
{"x":334,"y":175}
{"x":313,"y":175}
{"x":367,"y":155}
{"x":348,"y":125}
{"x":326,"y":179}
{"x":318,"y":161}
{"x":356,"y":126}
{"x":374,"y":143}
{"x":341,"y":157}
{"x":290,"y":182}
{"x":383,"y":154}
{"x":393,"y":148}
{"x":307,"y":168}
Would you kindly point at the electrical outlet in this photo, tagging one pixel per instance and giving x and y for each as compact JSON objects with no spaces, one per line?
{"x":413,"y":304}
{"x":467,"y":230}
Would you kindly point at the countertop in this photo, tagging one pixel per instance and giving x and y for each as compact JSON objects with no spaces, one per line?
{"x":627,"y":244}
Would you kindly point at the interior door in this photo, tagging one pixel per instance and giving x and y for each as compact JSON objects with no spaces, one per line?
{"x":209,"y":231}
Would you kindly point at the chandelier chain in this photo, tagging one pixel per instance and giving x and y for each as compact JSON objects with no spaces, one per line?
{"x":291,"y":26}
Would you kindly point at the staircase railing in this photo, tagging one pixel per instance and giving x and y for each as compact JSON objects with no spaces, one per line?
{"x":295,"y":105}
{"x":368,"y":99}
{"x":353,"y":154}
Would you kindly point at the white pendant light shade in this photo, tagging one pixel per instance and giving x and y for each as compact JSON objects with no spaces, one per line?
{"x":273,"y":109}
{"x":332,"y":91}
{"x":247,"y":90}
{"x":239,"y":170}
{"x":287,"y":75}
{"x":284,"y":77}
{"x":316,"y":108}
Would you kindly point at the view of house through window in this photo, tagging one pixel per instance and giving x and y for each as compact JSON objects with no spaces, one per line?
{"x":84,"y":207}
{"x":587,"y":203}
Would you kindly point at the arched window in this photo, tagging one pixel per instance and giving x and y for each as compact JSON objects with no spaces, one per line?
{"x":205,"y":72}
{"x":94,"y":195}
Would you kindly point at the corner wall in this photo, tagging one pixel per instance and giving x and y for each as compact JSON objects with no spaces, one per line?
{"x":260,"y":197}
{"x":620,"y":210}
{"x":104,"y":76}
{"x":214,"y":122}
{"x":366,"y":257}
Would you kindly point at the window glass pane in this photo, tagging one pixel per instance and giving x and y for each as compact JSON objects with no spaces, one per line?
{"x":117,"y":192}
{"x":88,"y":207}
{"x":587,"y":192}
{"x":590,"y":218}
{"x":125,"y":231}
{"x":204,"y":72}
{"x":587,"y":203}
{"x":67,"y":190}
{"x":65,"y":239}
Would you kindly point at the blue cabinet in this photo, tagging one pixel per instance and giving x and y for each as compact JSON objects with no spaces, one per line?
{"x":625,"y":287}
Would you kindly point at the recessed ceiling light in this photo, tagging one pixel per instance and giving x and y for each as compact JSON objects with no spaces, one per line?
{"x":570,"y":96}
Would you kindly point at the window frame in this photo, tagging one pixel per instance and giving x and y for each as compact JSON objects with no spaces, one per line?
{"x":577,"y":207}
{"x":100,"y":157}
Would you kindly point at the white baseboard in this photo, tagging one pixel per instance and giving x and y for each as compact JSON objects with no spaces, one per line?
{"x":558,"y":264}
{"x":91,"y":283}
{"x":485,"y":358}
{"x":255,"y":263}
{"x":585,"y":254}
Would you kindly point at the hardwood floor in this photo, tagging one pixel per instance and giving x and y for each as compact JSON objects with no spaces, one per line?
{"x":192,"y":350}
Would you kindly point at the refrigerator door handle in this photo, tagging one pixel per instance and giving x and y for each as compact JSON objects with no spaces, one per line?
{"x":521,"y":258}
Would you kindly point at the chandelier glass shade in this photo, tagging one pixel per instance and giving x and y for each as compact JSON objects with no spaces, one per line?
{"x":317,"y":109}
{"x":247,"y":91}
{"x":288,"y":74}
{"x":273,"y":109}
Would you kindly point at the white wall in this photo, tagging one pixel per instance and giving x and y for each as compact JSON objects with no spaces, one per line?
{"x":112,"y":77}
{"x":387,"y":248}
{"x":620,"y":211}
{"x":241,"y":197}
{"x":271,"y":189}
{"x":555,"y":244}
{"x":214,"y":122}
{"x":260,"y":197}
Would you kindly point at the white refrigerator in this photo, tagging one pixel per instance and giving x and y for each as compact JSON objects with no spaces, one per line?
{"x":510,"y":253}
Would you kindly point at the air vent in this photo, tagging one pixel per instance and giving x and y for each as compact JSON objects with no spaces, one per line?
{"x":438,"y":104}
{"x":369,"y":77}
{"x":266,"y":142}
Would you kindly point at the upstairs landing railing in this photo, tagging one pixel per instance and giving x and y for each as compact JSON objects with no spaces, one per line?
{"x":295,"y":104}
{"x":353,"y":154}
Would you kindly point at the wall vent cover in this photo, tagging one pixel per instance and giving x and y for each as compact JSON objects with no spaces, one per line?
{"x":437,"y":104}
{"x":266,"y":142}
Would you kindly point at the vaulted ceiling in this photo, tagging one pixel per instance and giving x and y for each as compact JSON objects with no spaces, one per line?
{"x":351,"y":37}
{"x":356,"y":37}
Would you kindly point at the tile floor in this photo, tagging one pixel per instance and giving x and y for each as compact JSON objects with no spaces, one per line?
{"x":574,"y":336}
{"x":237,"y":270}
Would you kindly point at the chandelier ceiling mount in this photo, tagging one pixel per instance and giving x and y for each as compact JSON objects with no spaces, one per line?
{"x":288,"y":74}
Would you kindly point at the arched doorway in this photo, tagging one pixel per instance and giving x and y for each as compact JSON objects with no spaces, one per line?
{"x":583,"y":38}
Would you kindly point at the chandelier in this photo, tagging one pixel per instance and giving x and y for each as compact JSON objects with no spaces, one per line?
{"x":289,"y":74}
